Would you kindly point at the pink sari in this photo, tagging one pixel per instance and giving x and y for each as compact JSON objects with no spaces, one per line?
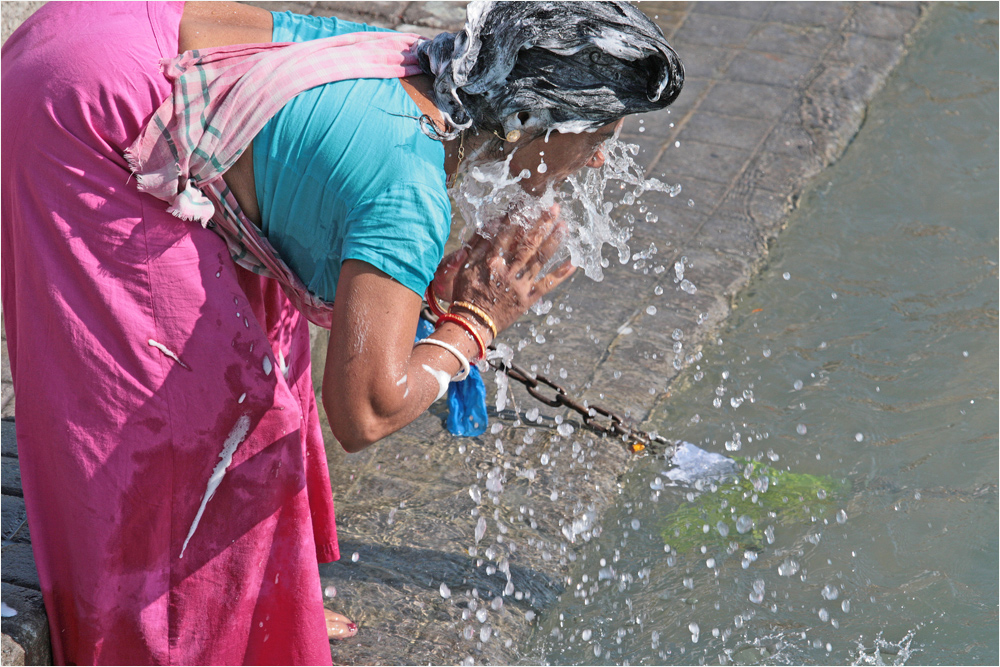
{"x":145,"y":362}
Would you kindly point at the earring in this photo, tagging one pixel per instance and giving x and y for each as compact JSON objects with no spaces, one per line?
{"x":513,"y":136}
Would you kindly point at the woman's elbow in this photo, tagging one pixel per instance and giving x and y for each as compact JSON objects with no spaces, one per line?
{"x":354,"y":433}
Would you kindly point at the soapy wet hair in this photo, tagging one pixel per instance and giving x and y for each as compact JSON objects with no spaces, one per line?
{"x":541,"y":66}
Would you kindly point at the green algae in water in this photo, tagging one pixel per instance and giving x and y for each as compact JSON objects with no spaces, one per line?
{"x":739,"y":508}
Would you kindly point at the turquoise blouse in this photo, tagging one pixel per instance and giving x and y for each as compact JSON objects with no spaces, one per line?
{"x":344,"y":171}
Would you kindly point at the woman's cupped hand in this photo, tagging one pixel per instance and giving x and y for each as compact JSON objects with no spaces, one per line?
{"x":501,"y":275}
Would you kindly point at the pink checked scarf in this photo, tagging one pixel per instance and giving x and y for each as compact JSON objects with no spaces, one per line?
{"x":221,"y":99}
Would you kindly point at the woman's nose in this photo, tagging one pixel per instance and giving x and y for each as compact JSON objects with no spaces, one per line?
{"x":597,"y":161}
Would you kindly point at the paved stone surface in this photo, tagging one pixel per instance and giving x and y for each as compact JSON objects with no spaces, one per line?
{"x":774,"y":93}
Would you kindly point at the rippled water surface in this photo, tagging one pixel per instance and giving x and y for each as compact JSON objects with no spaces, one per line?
{"x":864,"y":356}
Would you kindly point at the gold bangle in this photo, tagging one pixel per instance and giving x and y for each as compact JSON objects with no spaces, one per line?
{"x":480,"y":313}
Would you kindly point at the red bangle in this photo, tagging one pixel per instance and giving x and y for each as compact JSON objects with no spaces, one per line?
{"x":465,"y":324}
{"x":432,"y":301}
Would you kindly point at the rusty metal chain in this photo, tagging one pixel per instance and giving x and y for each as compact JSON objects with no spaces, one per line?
{"x":636,"y":440}
{"x":614,"y":425}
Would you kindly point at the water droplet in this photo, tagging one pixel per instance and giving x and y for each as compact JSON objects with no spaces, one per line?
{"x":766,"y":352}
{"x":565,"y":429}
{"x":830,"y":592}
{"x":797,"y":385}
{"x":841,"y":516}
{"x":480,"y":528}
{"x":330,"y":592}
{"x":801,"y":429}
{"x":355,"y":557}
{"x":688,"y":286}
{"x":445,"y":591}
{"x":635,"y":524}
{"x":657,"y":290}
{"x":845,"y":606}
{"x":723,"y":528}
{"x":786,"y":275}
{"x":484,"y":633}
{"x":824,"y":615}
{"x":651,"y":310}
{"x":743,"y":524}
{"x":859,"y":437}
{"x":821,"y":494}
{"x":475,"y":494}
{"x":788,"y":568}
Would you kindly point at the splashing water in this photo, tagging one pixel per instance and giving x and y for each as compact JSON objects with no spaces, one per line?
{"x":489,"y":193}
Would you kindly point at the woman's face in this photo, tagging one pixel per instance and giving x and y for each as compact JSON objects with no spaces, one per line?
{"x":563,"y":154}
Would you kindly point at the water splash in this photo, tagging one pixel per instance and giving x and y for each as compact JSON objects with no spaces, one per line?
{"x":881,"y":649}
{"x":489,"y":193}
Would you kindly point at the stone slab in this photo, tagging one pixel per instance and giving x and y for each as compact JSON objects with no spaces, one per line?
{"x":19,"y":566}
{"x":29,"y":628}
{"x":15,"y":520}
{"x":8,"y":437}
{"x":11,"y":476}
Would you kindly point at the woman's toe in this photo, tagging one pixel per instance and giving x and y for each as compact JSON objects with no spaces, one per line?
{"x":339,"y":626}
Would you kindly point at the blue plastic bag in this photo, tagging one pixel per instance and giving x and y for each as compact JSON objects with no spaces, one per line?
{"x":466,"y":399}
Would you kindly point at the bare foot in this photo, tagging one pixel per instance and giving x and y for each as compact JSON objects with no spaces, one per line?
{"x":339,"y":626}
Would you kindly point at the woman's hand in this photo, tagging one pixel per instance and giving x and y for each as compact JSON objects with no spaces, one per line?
{"x":500,"y":275}
{"x":444,"y":277}
{"x":376,"y":380}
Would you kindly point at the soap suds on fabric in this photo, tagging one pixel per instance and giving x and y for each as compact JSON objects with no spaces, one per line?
{"x":163,"y":348}
{"x":236,"y":436}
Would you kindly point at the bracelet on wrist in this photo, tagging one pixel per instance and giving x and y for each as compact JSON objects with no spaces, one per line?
{"x":465,"y":324}
{"x":462,"y":360}
{"x":434,"y":303}
{"x":478,"y":312}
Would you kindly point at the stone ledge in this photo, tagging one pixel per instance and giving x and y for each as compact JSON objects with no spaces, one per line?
{"x":26,"y":634}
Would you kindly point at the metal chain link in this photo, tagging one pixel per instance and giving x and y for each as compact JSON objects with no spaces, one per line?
{"x":636,"y":440}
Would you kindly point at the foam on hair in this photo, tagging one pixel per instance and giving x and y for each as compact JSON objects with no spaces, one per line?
{"x":543,"y":66}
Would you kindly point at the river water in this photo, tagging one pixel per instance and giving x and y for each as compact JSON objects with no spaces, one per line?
{"x":865,"y":355}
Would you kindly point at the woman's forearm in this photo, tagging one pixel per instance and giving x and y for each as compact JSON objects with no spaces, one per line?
{"x":364,"y":405}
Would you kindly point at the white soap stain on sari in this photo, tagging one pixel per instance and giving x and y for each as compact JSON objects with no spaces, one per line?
{"x":236,"y":436}
{"x":165,"y":350}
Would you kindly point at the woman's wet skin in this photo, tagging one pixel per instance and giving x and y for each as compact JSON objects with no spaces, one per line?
{"x":563,"y":154}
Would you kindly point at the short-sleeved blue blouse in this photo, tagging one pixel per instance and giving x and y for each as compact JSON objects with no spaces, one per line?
{"x":344,"y":171}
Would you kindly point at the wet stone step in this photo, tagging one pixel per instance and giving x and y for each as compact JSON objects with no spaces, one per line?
{"x":25,"y":624}
{"x":426,"y":568}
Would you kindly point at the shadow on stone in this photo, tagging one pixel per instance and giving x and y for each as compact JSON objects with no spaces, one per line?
{"x":396,"y":566}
